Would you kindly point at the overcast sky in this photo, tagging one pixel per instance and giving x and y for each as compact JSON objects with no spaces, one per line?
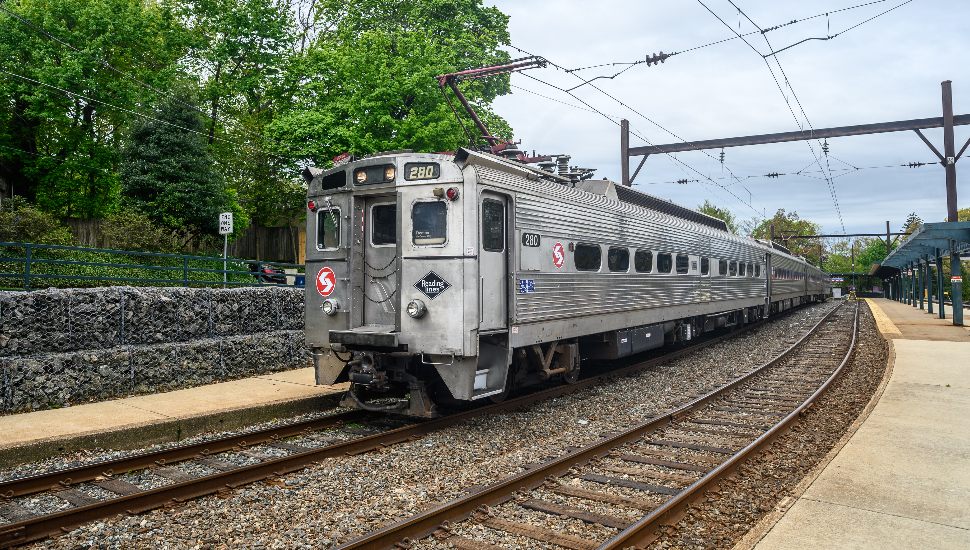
{"x":887,"y":69}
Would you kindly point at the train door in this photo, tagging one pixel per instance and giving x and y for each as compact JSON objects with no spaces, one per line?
{"x":493,"y":262}
{"x":380,"y":260}
{"x":768,"y":289}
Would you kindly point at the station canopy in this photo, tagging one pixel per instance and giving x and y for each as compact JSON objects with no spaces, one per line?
{"x":924,"y":243}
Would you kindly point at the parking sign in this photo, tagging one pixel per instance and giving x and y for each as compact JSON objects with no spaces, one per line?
{"x":225,"y":223}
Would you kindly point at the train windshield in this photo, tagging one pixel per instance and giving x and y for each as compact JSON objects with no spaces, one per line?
{"x":429,"y":223}
{"x":384,"y":224}
{"x":328,"y":229}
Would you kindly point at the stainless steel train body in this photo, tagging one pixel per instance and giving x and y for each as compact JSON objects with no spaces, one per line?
{"x":441,"y":278}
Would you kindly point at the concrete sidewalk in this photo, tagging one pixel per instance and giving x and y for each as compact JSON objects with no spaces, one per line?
{"x":903,"y":479}
{"x":169,"y":416}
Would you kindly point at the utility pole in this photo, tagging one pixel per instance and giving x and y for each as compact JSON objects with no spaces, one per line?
{"x":950,"y":164}
{"x":625,"y":152}
{"x":949,"y":153}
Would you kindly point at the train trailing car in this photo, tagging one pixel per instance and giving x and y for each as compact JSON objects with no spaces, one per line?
{"x":435,"y":278}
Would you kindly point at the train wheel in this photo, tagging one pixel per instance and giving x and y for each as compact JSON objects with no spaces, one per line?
{"x":572,"y":376}
{"x":509,"y":386}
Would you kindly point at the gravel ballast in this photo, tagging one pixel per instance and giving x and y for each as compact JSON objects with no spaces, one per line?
{"x":345,"y":497}
{"x":763,"y":482}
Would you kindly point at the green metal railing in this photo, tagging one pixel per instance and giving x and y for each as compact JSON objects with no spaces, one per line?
{"x":30,"y":265}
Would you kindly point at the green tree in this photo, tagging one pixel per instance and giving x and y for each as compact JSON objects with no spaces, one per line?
{"x":912,"y":223}
{"x":789,"y":223}
{"x":169,"y":175}
{"x":241,"y":50}
{"x":66,"y":108}
{"x":720,"y":213}
{"x":367,"y":84}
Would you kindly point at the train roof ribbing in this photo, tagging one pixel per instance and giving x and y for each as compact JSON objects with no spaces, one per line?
{"x":638,"y":198}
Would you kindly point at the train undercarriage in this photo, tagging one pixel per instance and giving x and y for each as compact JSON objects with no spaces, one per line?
{"x":401,"y":383}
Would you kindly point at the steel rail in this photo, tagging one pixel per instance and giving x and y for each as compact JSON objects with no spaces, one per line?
{"x":79,"y":474}
{"x":425,"y":523}
{"x":644,"y":530}
{"x":40,"y":527}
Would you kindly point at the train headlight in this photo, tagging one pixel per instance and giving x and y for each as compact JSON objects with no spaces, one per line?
{"x":389,"y":173}
{"x":360,"y":176}
{"x":416,"y":309}
{"x":330,"y":307}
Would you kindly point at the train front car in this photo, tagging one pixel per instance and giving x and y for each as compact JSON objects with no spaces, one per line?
{"x":394,"y":304}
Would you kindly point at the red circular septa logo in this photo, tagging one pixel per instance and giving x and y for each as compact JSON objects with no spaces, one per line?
{"x":326,"y":281}
{"x":558,"y":254}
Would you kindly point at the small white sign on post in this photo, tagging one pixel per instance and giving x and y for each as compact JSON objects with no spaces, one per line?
{"x":225,"y":228}
{"x":225,"y":223}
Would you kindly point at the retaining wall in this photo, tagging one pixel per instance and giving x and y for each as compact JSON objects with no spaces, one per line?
{"x":60,"y":347}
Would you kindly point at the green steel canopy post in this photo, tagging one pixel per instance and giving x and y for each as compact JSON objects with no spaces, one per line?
{"x":956,"y":285}
{"x":939,"y":283}
{"x":929,"y":286}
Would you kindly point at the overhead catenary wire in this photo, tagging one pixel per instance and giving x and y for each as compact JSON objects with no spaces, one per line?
{"x":640,"y":114}
{"x":672,"y":157}
{"x":829,"y":182}
{"x":840,"y":33}
{"x":765,"y":30}
{"x":807,"y":173}
{"x":561,"y":102}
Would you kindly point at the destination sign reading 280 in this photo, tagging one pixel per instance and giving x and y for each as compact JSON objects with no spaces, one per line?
{"x":421,"y":171}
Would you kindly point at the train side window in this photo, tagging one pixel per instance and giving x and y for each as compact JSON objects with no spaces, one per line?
{"x":733,"y":269}
{"x":588,"y":257}
{"x":429,"y":223}
{"x":383,"y":226}
{"x":643,"y":261}
{"x":740,"y":269}
{"x":705,"y":266}
{"x":757,"y":270}
{"x":665,"y":262}
{"x":493,"y":225}
{"x":750,"y":269}
{"x":328,"y":229}
{"x":722,"y":268}
{"x":682,"y":263}
{"x":618,"y":259}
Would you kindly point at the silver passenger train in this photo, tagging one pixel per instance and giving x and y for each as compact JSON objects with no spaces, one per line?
{"x":436,"y":278}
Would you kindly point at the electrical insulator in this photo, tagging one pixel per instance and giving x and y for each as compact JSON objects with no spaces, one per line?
{"x":772,"y":175}
{"x":656,"y":58}
{"x":825,"y":147}
{"x":683,"y":181}
{"x":722,"y":156}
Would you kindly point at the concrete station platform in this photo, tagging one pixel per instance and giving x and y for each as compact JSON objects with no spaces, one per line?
{"x":163,"y":417}
{"x":902,"y":479}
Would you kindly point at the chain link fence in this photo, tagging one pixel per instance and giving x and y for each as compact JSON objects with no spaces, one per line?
{"x":60,"y":347}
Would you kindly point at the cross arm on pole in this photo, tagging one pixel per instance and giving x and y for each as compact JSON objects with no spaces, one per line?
{"x":930,"y":145}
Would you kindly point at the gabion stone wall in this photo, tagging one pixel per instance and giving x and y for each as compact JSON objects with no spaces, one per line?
{"x":60,"y":347}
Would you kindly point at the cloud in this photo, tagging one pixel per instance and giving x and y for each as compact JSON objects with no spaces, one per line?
{"x":888,"y":69}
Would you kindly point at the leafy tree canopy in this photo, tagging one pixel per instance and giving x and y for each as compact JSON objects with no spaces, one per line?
{"x":720,"y":213}
{"x":368,"y":84}
{"x":63,"y":118}
{"x":170,"y":176}
{"x":789,"y":223}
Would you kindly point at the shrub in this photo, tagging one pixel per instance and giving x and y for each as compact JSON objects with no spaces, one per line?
{"x":21,"y":221}
{"x":131,"y":230}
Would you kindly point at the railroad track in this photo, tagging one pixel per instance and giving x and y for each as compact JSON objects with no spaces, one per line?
{"x":621,"y":488}
{"x":100,"y":490}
